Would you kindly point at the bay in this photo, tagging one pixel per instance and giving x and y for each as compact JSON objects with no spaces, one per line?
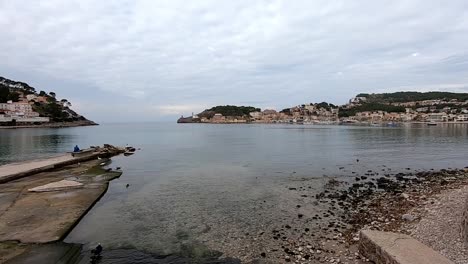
{"x":196,"y":187}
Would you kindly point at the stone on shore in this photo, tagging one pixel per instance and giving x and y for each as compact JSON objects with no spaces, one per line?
{"x":57,"y":186}
{"x":392,"y":248}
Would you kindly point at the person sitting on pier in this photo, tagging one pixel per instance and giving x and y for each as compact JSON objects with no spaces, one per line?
{"x":97,"y":251}
{"x":76,"y":149}
{"x":96,"y":257}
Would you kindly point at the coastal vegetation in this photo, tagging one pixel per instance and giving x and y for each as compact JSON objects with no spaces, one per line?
{"x":6,"y":95}
{"x":402,"y":97}
{"x":346,"y":112}
{"x":229,"y":110}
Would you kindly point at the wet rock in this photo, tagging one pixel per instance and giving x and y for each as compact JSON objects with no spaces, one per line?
{"x":408,"y":217}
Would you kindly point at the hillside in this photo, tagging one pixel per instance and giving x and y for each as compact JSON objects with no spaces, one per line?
{"x":42,"y":104}
{"x":402,"y":97}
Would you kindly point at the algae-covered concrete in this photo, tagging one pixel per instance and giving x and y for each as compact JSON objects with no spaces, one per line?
{"x":39,"y":217}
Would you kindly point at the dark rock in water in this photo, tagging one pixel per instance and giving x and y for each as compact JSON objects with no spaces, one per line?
{"x":130,"y":149}
{"x":298,"y":206}
{"x":357,"y":179}
{"x":300,"y":215}
{"x":292,"y":188}
{"x":263,"y":254}
{"x":306,"y":229}
{"x":363,"y":177}
{"x":287,"y":226}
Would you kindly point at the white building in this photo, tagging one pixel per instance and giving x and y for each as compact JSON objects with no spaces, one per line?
{"x":20,"y":119}
{"x":256,"y":115}
{"x":462,"y":118}
{"x":20,"y":109}
{"x":31,"y":97}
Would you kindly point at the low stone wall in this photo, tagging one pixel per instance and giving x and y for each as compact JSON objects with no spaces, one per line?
{"x":394,"y":248}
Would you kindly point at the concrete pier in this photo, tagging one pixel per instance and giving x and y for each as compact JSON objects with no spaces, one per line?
{"x":9,"y":171}
{"x":15,"y":171}
{"x":41,"y":217}
{"x":44,"y":206}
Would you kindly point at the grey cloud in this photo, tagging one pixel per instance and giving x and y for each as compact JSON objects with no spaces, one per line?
{"x":166,"y":56}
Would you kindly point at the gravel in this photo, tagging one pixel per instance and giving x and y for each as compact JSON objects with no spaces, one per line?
{"x":440,"y":225}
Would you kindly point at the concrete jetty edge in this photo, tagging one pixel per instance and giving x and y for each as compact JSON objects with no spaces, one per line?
{"x":95,"y":155}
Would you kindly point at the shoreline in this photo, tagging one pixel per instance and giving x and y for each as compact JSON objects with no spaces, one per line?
{"x":54,"y":125}
{"x":328,"y":123}
{"x":377,"y":199}
{"x":393,"y":204}
{"x":324,"y":226}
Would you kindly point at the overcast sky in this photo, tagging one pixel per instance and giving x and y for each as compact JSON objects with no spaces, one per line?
{"x":155,"y":60}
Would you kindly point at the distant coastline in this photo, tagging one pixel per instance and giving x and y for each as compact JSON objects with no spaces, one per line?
{"x":190,"y":120}
{"x":387,"y":108}
{"x":54,"y":125}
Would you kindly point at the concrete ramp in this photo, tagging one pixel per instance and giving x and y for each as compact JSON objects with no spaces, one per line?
{"x":393,"y":248}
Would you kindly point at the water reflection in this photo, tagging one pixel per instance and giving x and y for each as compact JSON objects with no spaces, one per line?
{"x":25,"y":144}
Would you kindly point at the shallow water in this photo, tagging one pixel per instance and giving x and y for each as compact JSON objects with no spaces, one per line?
{"x":199,"y":187}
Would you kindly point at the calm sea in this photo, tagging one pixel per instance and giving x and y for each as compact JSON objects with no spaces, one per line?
{"x":190,"y":183}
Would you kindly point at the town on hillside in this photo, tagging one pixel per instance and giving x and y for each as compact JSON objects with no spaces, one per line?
{"x":364,"y":108}
{"x":20,"y":104}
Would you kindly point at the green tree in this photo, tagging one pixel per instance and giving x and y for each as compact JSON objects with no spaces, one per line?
{"x":14,"y":96}
{"x":4,"y":93}
{"x":51,"y":99}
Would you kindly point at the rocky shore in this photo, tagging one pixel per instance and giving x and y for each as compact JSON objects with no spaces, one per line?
{"x":386,"y":202}
{"x":55,"y":125}
{"x":320,"y":222}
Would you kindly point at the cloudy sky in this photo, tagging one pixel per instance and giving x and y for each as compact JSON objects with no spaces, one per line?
{"x":155,"y":60}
